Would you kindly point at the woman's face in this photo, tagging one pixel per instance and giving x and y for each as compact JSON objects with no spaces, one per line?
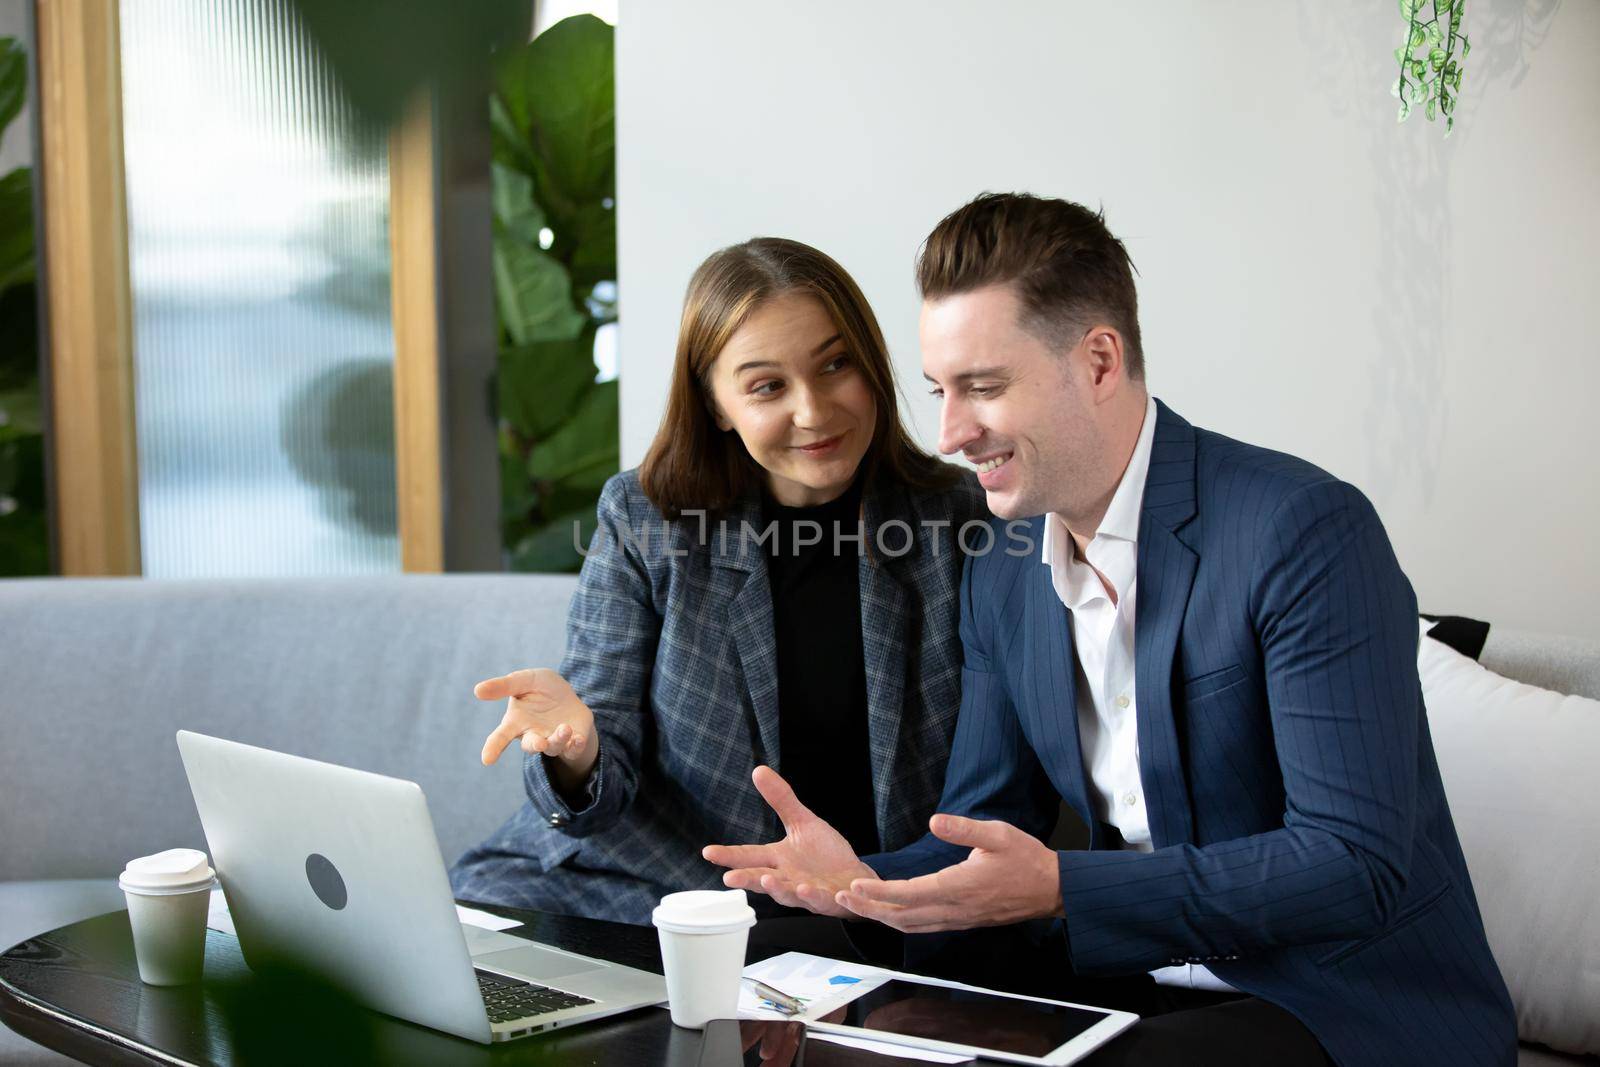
{"x":795,"y":395}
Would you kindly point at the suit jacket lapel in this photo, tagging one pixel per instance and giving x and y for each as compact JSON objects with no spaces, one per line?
{"x":742,"y":565}
{"x":885,"y":619}
{"x":1052,"y":671}
{"x":1166,"y":574}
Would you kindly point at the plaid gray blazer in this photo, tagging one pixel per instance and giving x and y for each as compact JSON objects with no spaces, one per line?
{"x":670,"y":642}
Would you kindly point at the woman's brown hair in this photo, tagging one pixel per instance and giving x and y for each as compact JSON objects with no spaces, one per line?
{"x":695,"y":465}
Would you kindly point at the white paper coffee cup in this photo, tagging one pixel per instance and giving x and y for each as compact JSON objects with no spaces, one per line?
{"x":703,"y":934}
{"x":168,"y":896}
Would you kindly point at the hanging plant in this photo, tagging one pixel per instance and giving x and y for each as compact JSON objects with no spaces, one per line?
{"x":1430,"y":69}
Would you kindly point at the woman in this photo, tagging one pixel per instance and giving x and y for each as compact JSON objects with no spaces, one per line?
{"x":775,"y":584}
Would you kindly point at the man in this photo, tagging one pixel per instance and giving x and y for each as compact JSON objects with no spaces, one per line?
{"x":1210,"y":655}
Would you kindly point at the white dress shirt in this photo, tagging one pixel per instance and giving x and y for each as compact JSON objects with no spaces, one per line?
{"x":1103,"y":637}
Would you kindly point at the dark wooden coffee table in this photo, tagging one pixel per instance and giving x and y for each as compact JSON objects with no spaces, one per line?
{"x":77,"y":990}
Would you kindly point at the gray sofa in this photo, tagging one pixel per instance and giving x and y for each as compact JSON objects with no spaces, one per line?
{"x":97,"y":675}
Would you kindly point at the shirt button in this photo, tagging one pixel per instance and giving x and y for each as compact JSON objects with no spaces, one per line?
{"x":1122,"y":701}
{"x":1129,"y":799}
{"x":556,"y":818}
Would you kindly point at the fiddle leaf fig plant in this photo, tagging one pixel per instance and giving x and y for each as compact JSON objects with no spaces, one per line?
{"x":555,"y":270}
{"x":1431,"y":59}
{"x":24,"y":523}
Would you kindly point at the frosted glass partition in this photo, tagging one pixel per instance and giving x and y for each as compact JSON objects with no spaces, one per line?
{"x":259,"y":257}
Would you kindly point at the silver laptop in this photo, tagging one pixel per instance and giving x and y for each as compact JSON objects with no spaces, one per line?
{"x":338,"y":871}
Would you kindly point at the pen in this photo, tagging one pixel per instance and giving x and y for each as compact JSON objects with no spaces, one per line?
{"x":784,"y":1001}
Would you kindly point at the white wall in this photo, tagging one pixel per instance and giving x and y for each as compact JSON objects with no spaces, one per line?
{"x":1418,"y":315}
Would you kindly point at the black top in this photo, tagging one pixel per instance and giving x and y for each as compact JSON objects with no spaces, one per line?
{"x":822,"y":675}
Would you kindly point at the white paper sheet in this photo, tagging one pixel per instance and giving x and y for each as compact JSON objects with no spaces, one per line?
{"x":817,"y":982}
{"x":217,"y":915}
{"x":474,"y":917}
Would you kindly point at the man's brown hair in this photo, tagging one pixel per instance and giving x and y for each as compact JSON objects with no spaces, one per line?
{"x":1067,"y":269}
{"x":693,"y":464}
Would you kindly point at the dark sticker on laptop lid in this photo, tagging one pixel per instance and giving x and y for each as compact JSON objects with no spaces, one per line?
{"x":326,"y":882}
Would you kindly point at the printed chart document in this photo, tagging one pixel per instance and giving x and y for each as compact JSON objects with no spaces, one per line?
{"x":824,"y":986}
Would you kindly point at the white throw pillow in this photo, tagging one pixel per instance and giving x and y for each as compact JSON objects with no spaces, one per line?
{"x":1519,"y":768}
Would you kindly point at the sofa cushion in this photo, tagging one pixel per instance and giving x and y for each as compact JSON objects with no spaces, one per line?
{"x":1517,"y":763}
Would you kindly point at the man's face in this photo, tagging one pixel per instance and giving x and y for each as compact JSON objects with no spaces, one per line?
{"x":1008,"y":403}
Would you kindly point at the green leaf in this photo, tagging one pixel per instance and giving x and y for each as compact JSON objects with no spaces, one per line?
{"x":514,"y":206}
{"x":584,"y":451}
{"x":534,"y":293}
{"x":1416,"y":38}
{"x":24,"y":543}
{"x":382,"y":51}
{"x":13,"y":80}
{"x":593,"y":242}
{"x":551,"y":549}
{"x":560,"y":497}
{"x":517,"y":495}
{"x":1434,"y":34}
{"x":558,"y":94}
{"x":16,"y":228}
{"x":1429,"y":111}
{"x":22,"y":469}
{"x":1466,"y":48}
{"x":540,"y":385}
{"x":20,"y":411}
{"x":511,"y":147}
{"x":19,"y":337}
{"x":1442,"y":6}
{"x":1409,"y":9}
{"x":1436,"y":58}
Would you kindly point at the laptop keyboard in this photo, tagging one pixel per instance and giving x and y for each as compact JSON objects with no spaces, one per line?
{"x":511,"y":998}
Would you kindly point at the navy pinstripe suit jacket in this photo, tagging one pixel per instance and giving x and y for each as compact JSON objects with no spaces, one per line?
{"x":670,"y":642}
{"x":1303,"y":847}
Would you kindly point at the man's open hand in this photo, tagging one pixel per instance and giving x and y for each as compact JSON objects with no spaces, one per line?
{"x":1009,"y":876}
{"x":807,"y":869}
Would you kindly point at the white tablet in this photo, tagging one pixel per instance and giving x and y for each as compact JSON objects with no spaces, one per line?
{"x":947,"y":1017}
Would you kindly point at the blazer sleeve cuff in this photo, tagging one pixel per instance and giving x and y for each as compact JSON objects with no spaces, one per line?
{"x":921,"y":857}
{"x":576,"y":816}
{"x":1113,"y":922}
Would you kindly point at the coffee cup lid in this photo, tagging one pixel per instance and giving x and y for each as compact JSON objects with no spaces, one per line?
{"x":704,"y":911}
{"x":173,"y":871}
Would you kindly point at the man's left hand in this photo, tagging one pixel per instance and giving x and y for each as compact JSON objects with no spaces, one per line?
{"x":1010,"y":876}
